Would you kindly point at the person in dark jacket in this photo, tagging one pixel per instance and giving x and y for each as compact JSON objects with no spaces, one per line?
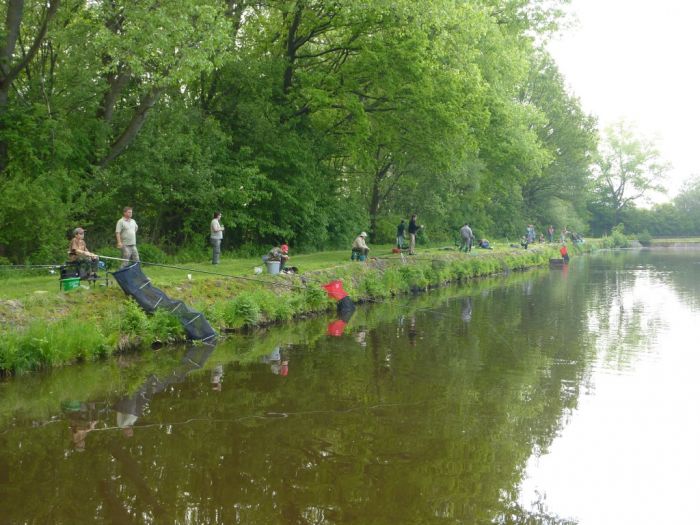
{"x":412,"y":232}
{"x":400,"y":232}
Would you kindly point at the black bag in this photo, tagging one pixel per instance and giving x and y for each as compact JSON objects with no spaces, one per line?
{"x":70,"y":270}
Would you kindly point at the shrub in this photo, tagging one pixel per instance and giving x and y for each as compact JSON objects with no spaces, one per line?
{"x":133,"y":319}
{"x":151,"y":253}
{"x":242,"y":311}
{"x":190,"y":254}
{"x":315,"y":298}
{"x":645,"y":238}
{"x":392,"y":281}
{"x":414,"y":277}
{"x":372,"y":286}
{"x":164,"y":326}
{"x":42,"y":344}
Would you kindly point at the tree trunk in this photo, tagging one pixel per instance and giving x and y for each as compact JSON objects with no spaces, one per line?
{"x":117,"y":83}
{"x":291,"y":50}
{"x":377,"y":198}
{"x":374,"y":205}
{"x":8,"y":70}
{"x":135,"y":125}
{"x":4,"y":149}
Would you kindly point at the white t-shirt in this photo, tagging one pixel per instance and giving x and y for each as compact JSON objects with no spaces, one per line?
{"x":126,"y":228}
{"x":217,"y":231}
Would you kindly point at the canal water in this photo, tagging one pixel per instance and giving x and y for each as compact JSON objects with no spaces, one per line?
{"x":553,"y":396}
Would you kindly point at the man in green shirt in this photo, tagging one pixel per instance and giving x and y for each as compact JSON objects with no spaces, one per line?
{"x":126,"y":237}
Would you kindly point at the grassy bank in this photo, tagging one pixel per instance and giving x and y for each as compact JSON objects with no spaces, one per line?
{"x":43,"y":327}
{"x":39,"y":397}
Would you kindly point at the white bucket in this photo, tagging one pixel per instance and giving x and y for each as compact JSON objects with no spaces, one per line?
{"x":273,"y":267}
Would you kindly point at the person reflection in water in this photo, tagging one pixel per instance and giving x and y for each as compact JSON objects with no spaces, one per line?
{"x":80,"y":432}
{"x":279,"y":364}
{"x":129,"y":409}
{"x":82,"y":421}
{"x":412,"y":332}
{"x":467,"y":310}
{"x":217,"y":377}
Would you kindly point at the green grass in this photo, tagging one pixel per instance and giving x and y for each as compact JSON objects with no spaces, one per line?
{"x":43,"y":327}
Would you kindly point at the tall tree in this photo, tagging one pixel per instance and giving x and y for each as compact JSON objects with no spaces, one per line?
{"x":560,"y":194}
{"x":20,"y":40}
{"x":628,"y":168}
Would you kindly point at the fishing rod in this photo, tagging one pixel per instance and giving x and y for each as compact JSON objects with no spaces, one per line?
{"x":219,"y":274}
{"x":29,"y":266}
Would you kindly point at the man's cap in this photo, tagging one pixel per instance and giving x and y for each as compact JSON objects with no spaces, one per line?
{"x":78,"y":230}
{"x":363,"y":234}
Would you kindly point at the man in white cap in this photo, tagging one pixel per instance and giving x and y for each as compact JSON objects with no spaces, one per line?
{"x":359,"y":246}
{"x":80,"y":255}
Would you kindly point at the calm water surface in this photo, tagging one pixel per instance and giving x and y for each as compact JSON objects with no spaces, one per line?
{"x":564,"y":396}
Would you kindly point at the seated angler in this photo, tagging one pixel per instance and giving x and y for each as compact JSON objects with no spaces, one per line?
{"x":279,"y":253}
{"x":360,"y":250}
{"x":79,"y":255}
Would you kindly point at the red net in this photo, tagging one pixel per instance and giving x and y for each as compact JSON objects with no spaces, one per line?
{"x":335,"y":290}
{"x":336,"y":328}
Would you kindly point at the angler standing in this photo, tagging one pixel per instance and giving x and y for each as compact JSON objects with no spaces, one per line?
{"x":217,"y":234}
{"x":126,"y":237}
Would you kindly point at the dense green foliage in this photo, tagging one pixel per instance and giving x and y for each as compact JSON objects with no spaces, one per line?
{"x":302,"y":120}
{"x":678,"y":218}
{"x":38,"y":343}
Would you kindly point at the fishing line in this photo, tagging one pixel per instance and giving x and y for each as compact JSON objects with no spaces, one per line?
{"x":266,"y":416}
{"x":29,"y":267}
{"x":195,"y":270}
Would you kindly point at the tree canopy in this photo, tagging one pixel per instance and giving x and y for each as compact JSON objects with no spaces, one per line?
{"x":301,"y":120}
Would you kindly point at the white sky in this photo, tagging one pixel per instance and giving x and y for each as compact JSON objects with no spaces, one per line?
{"x":638,"y":60}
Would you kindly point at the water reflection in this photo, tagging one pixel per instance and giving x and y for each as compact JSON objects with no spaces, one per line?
{"x":467,"y":310}
{"x":86,"y":417}
{"x":346,"y":309}
{"x":82,"y":419}
{"x":130,"y":408}
{"x":278,"y":360}
{"x":629,"y":439}
{"x":217,"y":377}
{"x":514,"y":401}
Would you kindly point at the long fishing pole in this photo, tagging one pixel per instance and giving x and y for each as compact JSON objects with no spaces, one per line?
{"x":219,"y":274}
{"x":29,"y":266}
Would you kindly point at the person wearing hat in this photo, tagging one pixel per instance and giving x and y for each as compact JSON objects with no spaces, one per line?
{"x":79,"y":254}
{"x":278,"y":253}
{"x":359,"y":245}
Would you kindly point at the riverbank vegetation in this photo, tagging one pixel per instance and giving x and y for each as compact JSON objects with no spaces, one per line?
{"x":44,"y":328}
{"x":303,"y":121}
{"x":38,"y":397}
{"x":52,"y":328}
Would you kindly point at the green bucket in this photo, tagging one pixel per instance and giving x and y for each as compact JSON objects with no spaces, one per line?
{"x":70,"y":284}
